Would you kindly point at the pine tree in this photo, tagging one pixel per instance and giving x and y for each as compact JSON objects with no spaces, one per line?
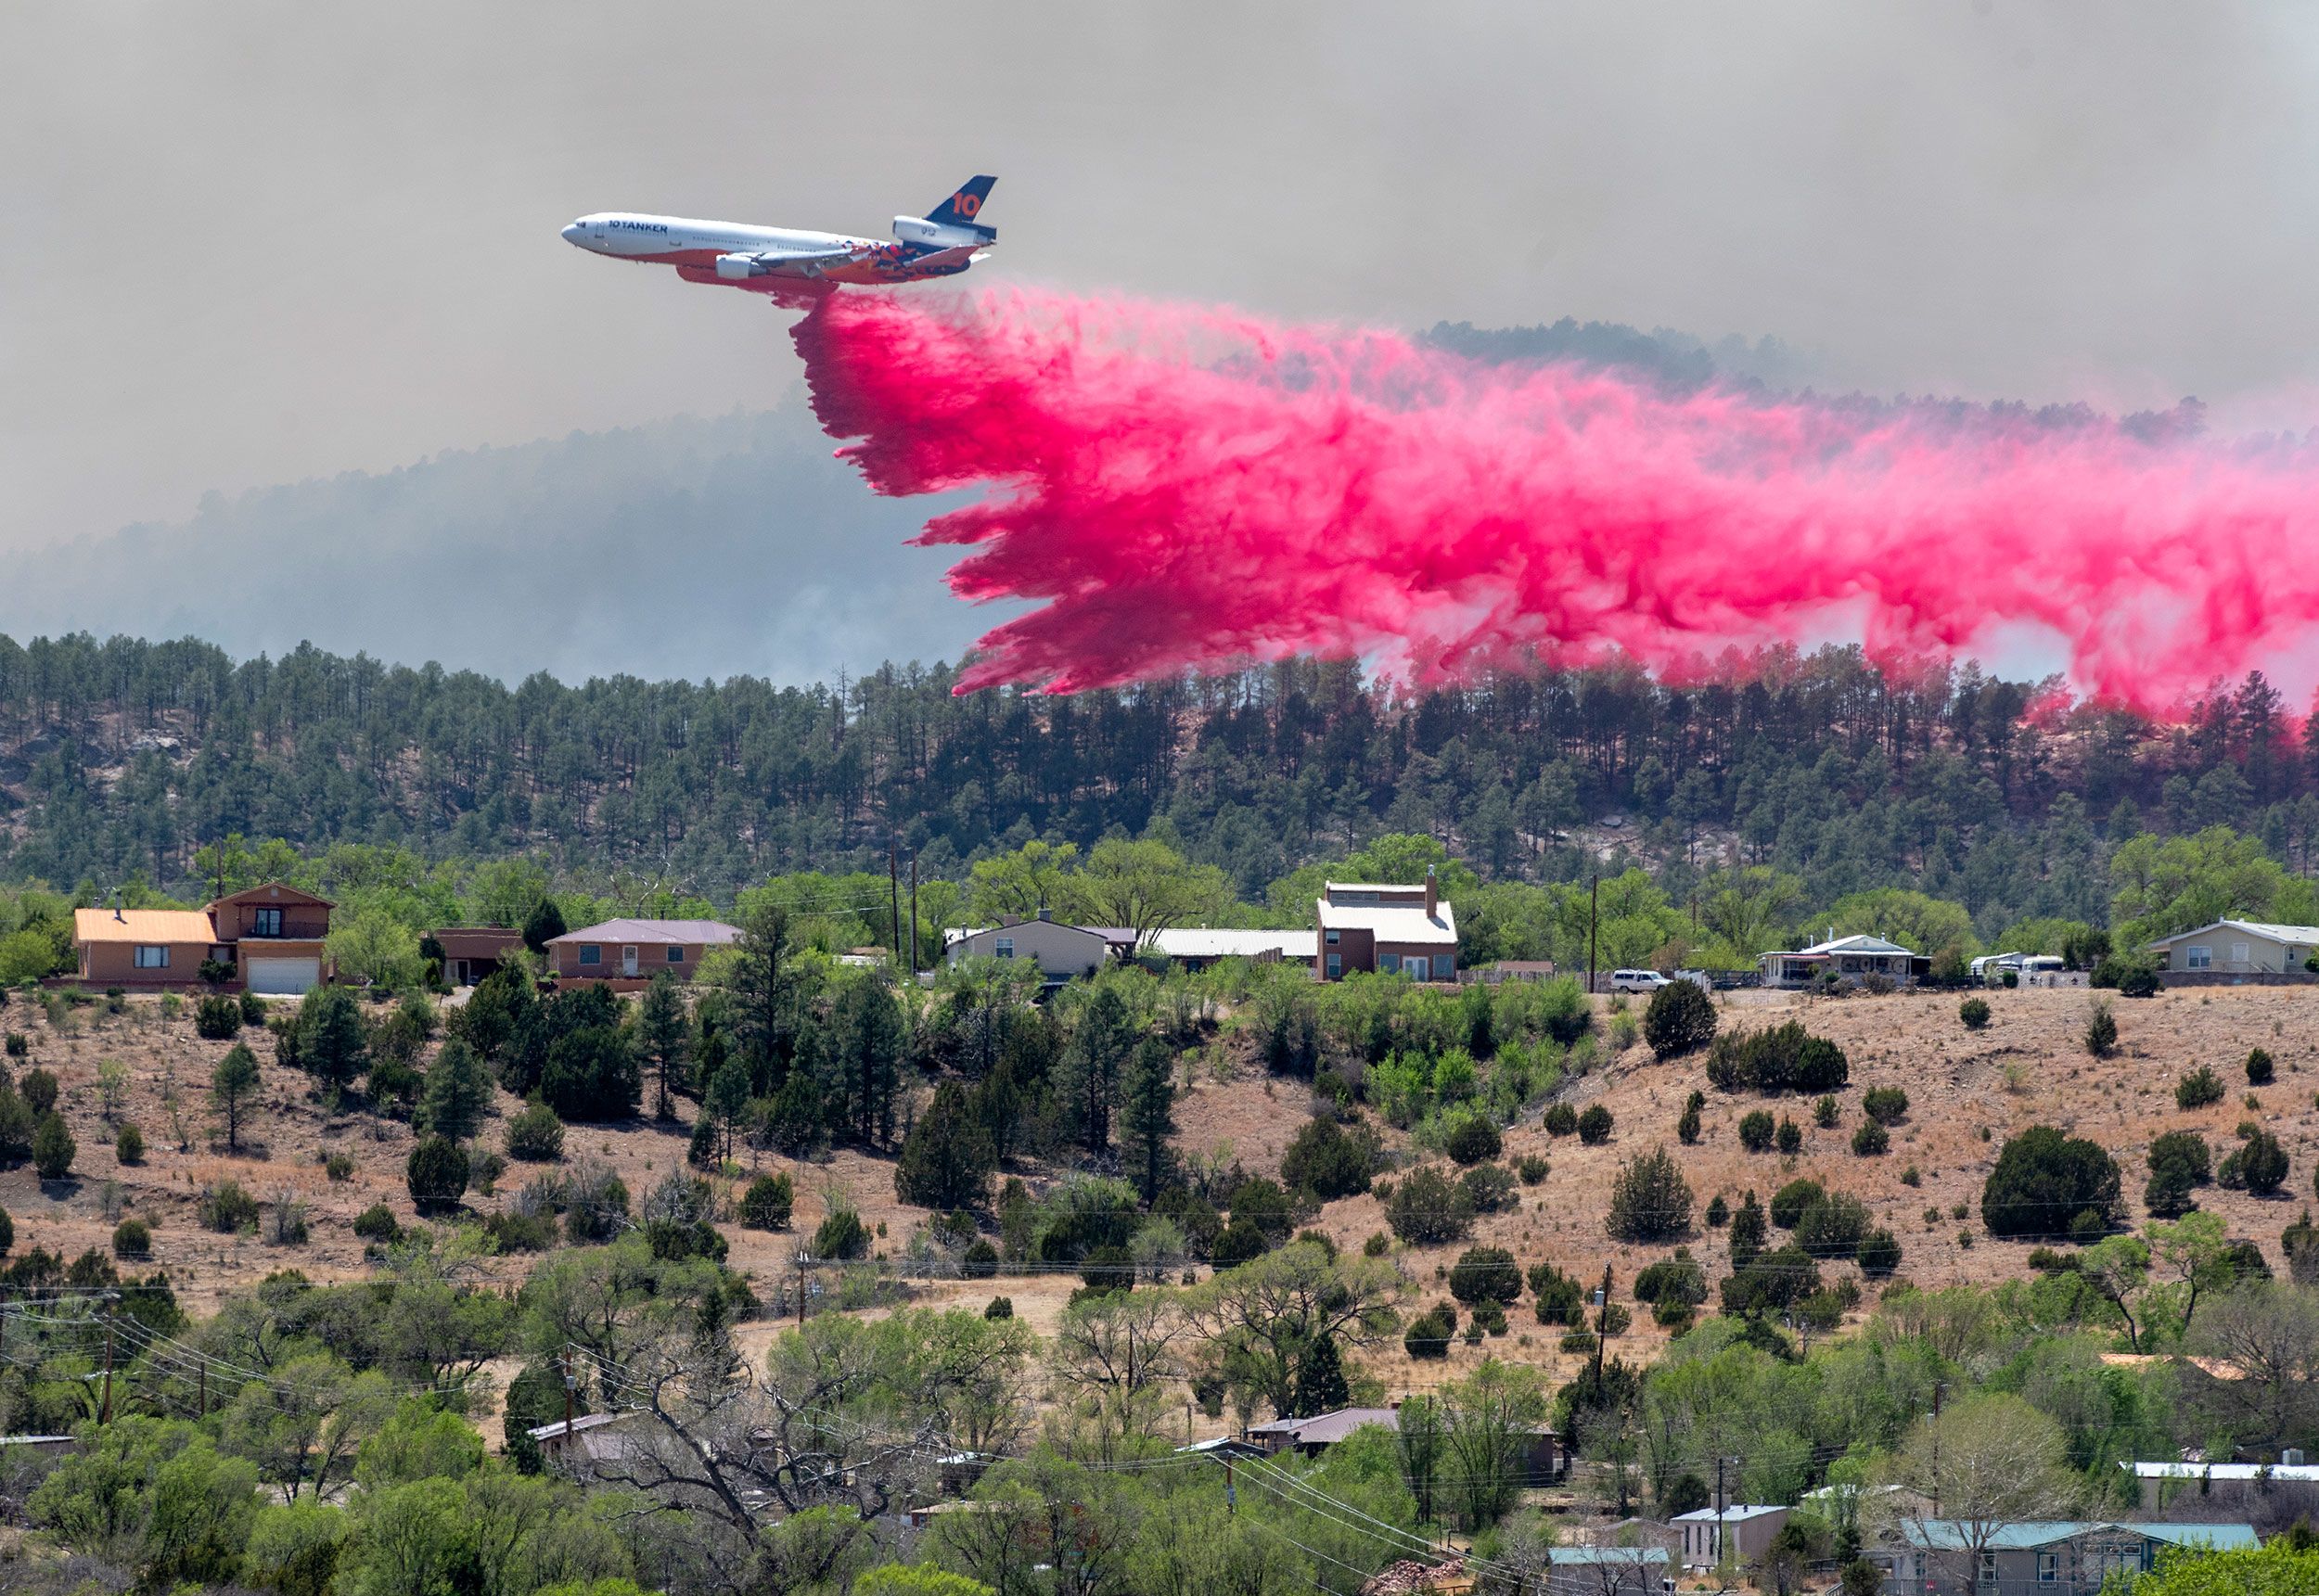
{"x":1749,"y":1231}
{"x":947,"y":1158}
{"x":1099,"y":1046}
{"x":663,"y":1032}
{"x":458,"y":1090}
{"x":331,"y":1042}
{"x":1320,"y":1387}
{"x":231,"y":1085}
{"x":764,"y":988}
{"x":868,"y":1025}
{"x":725,"y":1102}
{"x":1148,"y":1114}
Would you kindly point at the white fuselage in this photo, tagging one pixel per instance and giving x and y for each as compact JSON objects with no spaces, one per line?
{"x":632,"y":236}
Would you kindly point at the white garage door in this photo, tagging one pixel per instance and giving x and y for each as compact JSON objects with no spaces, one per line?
{"x":279,"y":977}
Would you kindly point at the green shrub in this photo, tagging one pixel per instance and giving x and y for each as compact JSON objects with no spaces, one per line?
{"x":1790,"y":1202}
{"x":226,"y":1209}
{"x":436,"y":1174}
{"x":1680,"y":1018}
{"x":2179,"y":1165}
{"x":377,"y":1223}
{"x":253,"y":1009}
{"x":1329,"y":1162}
{"x":2261,"y":1070}
{"x":1871,"y":1140}
{"x":1594,"y":1126}
{"x":1786,"y":1058}
{"x":1485,"y":1274}
{"x":1650,"y":1201}
{"x":2197,"y":1089}
{"x":337,"y":1167}
{"x":1789,"y":1137}
{"x":1880,"y":1254}
{"x":841,"y":1235}
{"x":1678,"y":1279}
{"x":1470,"y":1141}
{"x":1688,"y":1123}
{"x":1885,"y":1104}
{"x":1561,"y":1120}
{"x":1490,"y":1187}
{"x":1825,"y":1113}
{"x":1532,"y":1169}
{"x":1718,"y":1212}
{"x":1428,"y":1334}
{"x":1428,"y":1208}
{"x":1756,"y":1131}
{"x":52,"y":1149}
{"x":768,"y":1202}
{"x":2044,"y":1181}
{"x":1377,"y":1246}
{"x":1558,"y":1298}
{"x":2258,"y":1166}
{"x":133,"y":1239}
{"x":129,"y":1144}
{"x":1000,"y":1308}
{"x":1832,"y":1227}
{"x":217,"y":1019}
{"x":536,"y":1135}
{"x":2101,"y":1031}
{"x":39,"y":1091}
{"x":1974,"y":1012}
{"x":18,"y":1044}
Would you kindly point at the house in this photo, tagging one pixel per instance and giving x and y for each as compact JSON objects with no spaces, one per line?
{"x":1389,"y":927}
{"x":2267,"y":1491}
{"x":271,"y":936}
{"x":1197,"y":947}
{"x":2237,"y":948}
{"x":144,"y":947}
{"x":1848,"y":958}
{"x":580,"y":1444}
{"x":471,"y":953}
{"x":274,"y":934}
{"x":1061,"y":951}
{"x":1543,"y":1460}
{"x":1745,"y":1530}
{"x":636,"y":949}
{"x":1606,"y":1571}
{"x":2070,"y":1557}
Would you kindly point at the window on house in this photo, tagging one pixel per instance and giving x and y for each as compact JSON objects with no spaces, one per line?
{"x":2238,"y":953}
{"x":2197,"y":958}
{"x":2049,"y":1568}
{"x":1988,"y":1569}
{"x":1445,"y":966}
{"x":676,"y":954}
{"x":591,"y":955}
{"x":1332,"y":939}
{"x":152,"y":958}
{"x":1004,"y":947}
{"x":266,"y":923}
{"x":1389,"y":963}
{"x":1336,"y":964}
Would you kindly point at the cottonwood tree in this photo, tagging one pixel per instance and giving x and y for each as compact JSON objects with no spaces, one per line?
{"x":1145,"y":885}
{"x":1982,"y":1467}
{"x":1112,"y":1359}
{"x":2269,"y":1331}
{"x":1494,"y":1415}
{"x":1272,"y":1311}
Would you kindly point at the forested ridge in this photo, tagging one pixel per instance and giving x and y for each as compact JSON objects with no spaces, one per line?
{"x":120,"y":759}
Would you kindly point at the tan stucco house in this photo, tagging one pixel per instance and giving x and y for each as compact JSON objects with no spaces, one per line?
{"x":636,"y":949}
{"x":1061,"y":951}
{"x":272,"y":935}
{"x":2237,"y":947}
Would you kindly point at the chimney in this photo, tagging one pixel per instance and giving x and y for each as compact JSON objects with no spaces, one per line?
{"x":1432,"y":893}
{"x":1045,"y":914}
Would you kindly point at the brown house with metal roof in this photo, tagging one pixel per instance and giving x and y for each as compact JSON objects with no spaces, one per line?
{"x":271,"y":936}
{"x":638,"y":950}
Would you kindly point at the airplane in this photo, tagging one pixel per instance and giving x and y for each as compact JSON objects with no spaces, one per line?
{"x":796,"y":267}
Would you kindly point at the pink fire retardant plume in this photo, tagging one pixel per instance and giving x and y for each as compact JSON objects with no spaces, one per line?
{"x":1194,"y":488}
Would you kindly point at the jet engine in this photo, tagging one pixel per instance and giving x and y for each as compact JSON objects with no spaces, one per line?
{"x":918,"y":230}
{"x":734,"y":268}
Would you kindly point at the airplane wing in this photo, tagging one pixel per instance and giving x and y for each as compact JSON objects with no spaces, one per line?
{"x":800,"y":257}
{"x":957,"y":257}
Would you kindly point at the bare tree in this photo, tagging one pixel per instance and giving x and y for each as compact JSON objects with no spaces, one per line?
{"x":2269,"y":1331}
{"x":1112,"y":1359}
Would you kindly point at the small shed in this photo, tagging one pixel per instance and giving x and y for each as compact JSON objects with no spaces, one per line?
{"x":1744,"y":1529}
{"x":471,"y":953}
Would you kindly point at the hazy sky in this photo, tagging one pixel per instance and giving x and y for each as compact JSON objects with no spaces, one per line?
{"x":243,"y":244}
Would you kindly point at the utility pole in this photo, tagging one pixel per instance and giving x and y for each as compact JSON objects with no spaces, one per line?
{"x":801,"y":1286}
{"x":1231,"y":1493}
{"x":1720,"y":1502}
{"x":571,"y":1387}
{"x":105,"y":1412}
{"x":914,"y":912}
{"x":1602,"y":1323}
{"x":1938,"y":1386}
{"x":204,"y":1383}
{"x":893,"y":887}
{"x":1594,"y":915}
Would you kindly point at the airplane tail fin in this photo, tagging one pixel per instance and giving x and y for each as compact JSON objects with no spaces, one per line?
{"x":961,"y":209}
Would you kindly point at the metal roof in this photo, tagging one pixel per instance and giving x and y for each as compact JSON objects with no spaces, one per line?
{"x":1857,"y":943}
{"x":1738,"y":1513}
{"x":1950,"y":1535}
{"x":2307,"y":936}
{"x":1329,"y":1429}
{"x":715,"y":933}
{"x":1597,"y":1555}
{"x":147,"y":926}
{"x":1392,"y":921}
{"x":1201,"y":942}
{"x":2302,"y":1473}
